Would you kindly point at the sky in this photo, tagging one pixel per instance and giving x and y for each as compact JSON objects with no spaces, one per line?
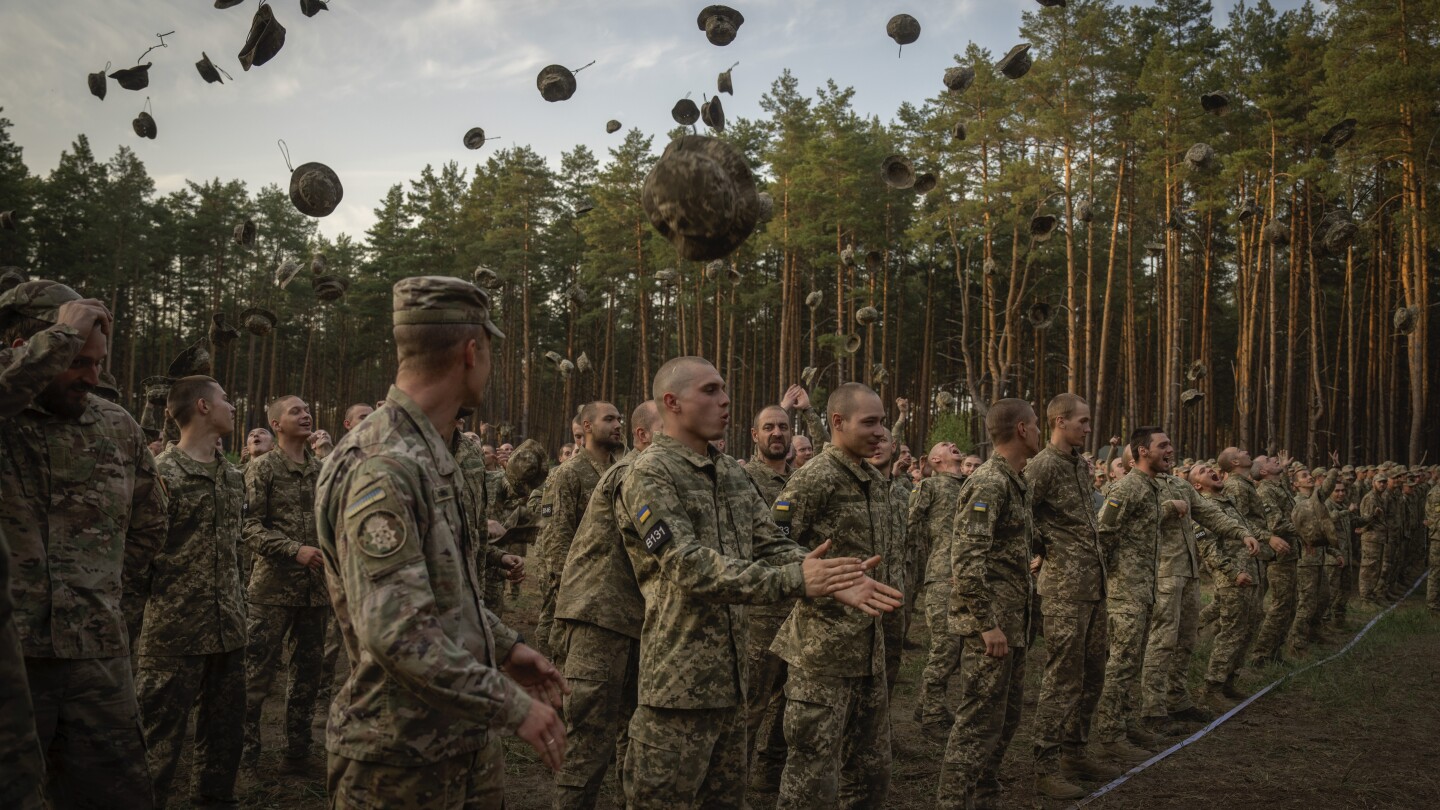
{"x":377,"y":89}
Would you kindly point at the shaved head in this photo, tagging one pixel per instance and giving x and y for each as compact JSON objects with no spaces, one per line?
{"x":770,"y":412}
{"x":646,"y":416}
{"x":677,"y":375}
{"x":848,"y":398}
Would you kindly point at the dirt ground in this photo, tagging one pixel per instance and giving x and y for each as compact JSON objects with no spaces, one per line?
{"x":1359,"y":732}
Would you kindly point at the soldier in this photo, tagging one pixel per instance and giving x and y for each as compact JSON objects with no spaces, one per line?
{"x":566,"y":494}
{"x":895,"y":459}
{"x":25,"y":371}
{"x":355,"y":414}
{"x":83,"y":513}
{"x":1237,"y":605}
{"x":258,"y":442}
{"x":1432,"y":524}
{"x":802,"y":450}
{"x":192,"y":648}
{"x":418,"y":721}
{"x":702,"y":544}
{"x":598,"y":616}
{"x":289,"y":607}
{"x":931,"y":519}
{"x":990,"y":549}
{"x":1280,"y":575}
{"x":1071,"y":584}
{"x":770,"y":431}
{"x":1375,"y":520}
{"x":1342,"y":562}
{"x":321,"y":444}
{"x":1317,"y":536}
{"x":1129,"y":529}
{"x":491,"y":561}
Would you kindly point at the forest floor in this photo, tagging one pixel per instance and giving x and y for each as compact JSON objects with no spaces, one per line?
{"x":1358,"y":732}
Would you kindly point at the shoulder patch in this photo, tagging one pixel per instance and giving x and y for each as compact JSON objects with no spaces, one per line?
{"x":547,"y":510}
{"x":981,"y":506}
{"x":657,"y":537}
{"x":381,"y":535}
{"x":782,"y":506}
{"x":1111,"y":502}
{"x":643,"y":515}
{"x":373,"y":496}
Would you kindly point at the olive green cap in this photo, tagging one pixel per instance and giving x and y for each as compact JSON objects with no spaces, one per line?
{"x":441,"y":299}
{"x":39,"y":300}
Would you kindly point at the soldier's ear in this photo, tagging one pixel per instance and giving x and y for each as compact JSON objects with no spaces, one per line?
{"x":17,"y":343}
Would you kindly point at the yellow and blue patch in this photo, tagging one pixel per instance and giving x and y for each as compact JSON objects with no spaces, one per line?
{"x":374,"y":496}
{"x":981,"y":506}
{"x":782,"y":506}
{"x":643,"y":515}
{"x":1111,"y":502}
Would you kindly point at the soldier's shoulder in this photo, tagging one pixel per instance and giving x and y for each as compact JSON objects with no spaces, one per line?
{"x":113,"y":417}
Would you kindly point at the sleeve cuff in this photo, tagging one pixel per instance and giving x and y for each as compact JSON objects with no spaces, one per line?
{"x":792,"y":579}
{"x":513,"y":711}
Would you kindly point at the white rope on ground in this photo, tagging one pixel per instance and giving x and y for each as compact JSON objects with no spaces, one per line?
{"x":1125,"y":777}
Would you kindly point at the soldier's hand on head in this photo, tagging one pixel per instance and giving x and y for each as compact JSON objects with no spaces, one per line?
{"x":802,"y":397}
{"x":527,"y":667}
{"x":1279,"y":544}
{"x":902,"y":405}
{"x":788,"y":401}
{"x":514,"y":567}
{"x":996,"y":645}
{"x":310,"y":557}
{"x":1243,"y":579}
{"x":869,"y":596}
{"x":823,"y":577}
{"x":84,"y":315}
{"x":543,"y":730}
{"x":1252,"y":545}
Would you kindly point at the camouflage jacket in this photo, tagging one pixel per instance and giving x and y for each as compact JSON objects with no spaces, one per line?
{"x":1344,"y":522}
{"x":424,"y":683}
{"x":1241,"y":490}
{"x":1315,"y":527}
{"x":1130,"y":535}
{"x":197,"y":604}
{"x":1374,"y":511}
{"x":84,"y":513}
{"x":567,"y":492}
{"x":598,"y":583}
{"x":990,"y":549}
{"x":1065,"y":529}
{"x":913,"y":554}
{"x":279,"y":519}
{"x":1218,"y":550}
{"x":1278,"y":504}
{"x":769,"y":483}
{"x":1432,"y":515}
{"x":815,"y":429}
{"x":1181,"y":548}
{"x":702,"y":545}
{"x":477,"y":496}
{"x":850,"y":504}
{"x":931,"y":519}
{"x":26,"y":370}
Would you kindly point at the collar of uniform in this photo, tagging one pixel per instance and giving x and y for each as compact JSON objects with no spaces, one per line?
{"x":188,"y":464}
{"x":294,"y":466}
{"x":599,"y":468}
{"x":697,"y":460}
{"x":955,"y":475}
{"x":444,"y":460}
{"x":89,"y":416}
{"x":1072,"y":458}
{"x":860,"y":470}
{"x":758,"y":464}
{"x":1003,"y":464}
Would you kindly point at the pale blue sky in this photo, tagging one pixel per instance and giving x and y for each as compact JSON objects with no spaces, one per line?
{"x":379,"y":88}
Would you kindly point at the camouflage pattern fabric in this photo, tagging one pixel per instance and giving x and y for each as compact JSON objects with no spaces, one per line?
{"x":1432,"y":518}
{"x":474,"y":780}
{"x":943,"y":657}
{"x":1280,"y":575}
{"x":931,"y":519}
{"x":471,"y":461}
{"x":1174,"y":621}
{"x":424,"y":687}
{"x":566,"y":494}
{"x":685,"y":758}
{"x":1313,"y":521}
{"x":1237,"y":609}
{"x":1241,"y":490}
{"x":1127,"y":625}
{"x":1065,"y":526}
{"x":765,"y":710}
{"x":281,"y":633}
{"x":26,"y":370}
{"x":602,"y":667}
{"x":1129,"y":526}
{"x":838,"y":730}
{"x":896,"y":624}
{"x":598,"y":585}
{"x":169,"y":686}
{"x":279,"y":519}
{"x":1372,"y":543}
{"x":992,"y":695}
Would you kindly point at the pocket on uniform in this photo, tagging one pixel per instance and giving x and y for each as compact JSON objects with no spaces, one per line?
{"x":824,"y":690}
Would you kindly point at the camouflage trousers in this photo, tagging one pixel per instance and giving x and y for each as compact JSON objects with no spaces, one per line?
{"x":547,"y":635}
{"x":470,"y":781}
{"x":838,"y":732}
{"x":1340,"y":581}
{"x":275,"y":630}
{"x":334,"y":664}
{"x":1239,"y":612}
{"x":1279,"y":610}
{"x":603,"y":668}
{"x":1372,"y":560}
{"x":22,"y":762}
{"x":1076,"y":643}
{"x":894,"y":625}
{"x":214,"y":686}
{"x":1393,"y":560}
{"x":1310,"y":596}
{"x":88,"y":722}
{"x":943,"y":657}
{"x":765,"y":712}
{"x":1174,"y":621}
{"x":1127,"y":625}
{"x":1432,"y":585}
{"x":685,"y":758}
{"x":992,"y":694}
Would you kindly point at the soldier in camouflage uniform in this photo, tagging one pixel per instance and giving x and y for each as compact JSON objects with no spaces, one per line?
{"x":83,"y":512}
{"x":1280,"y":575}
{"x":417,"y":723}
{"x":1317,"y":536}
{"x":1071,"y":584}
{"x":1342,"y":562}
{"x":47,"y":350}
{"x":493,"y":564}
{"x":892,"y":465}
{"x":1432,"y":526}
{"x":566,"y":494}
{"x":192,"y":648}
{"x":990,"y":608}
{"x":837,"y":725}
{"x":598,"y":616}
{"x":931,"y":519}
{"x":702,"y":545}
{"x":765,"y":712}
{"x":1374,"y":517}
{"x":288,"y":604}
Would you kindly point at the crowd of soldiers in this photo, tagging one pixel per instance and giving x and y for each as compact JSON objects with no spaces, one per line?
{"x":706,"y":627}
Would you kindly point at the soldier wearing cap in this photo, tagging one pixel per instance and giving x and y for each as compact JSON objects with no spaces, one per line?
{"x":1278,"y":504}
{"x":436,"y":678}
{"x":1374,"y":521}
{"x":1432,"y":531}
{"x":24,"y":372}
{"x":83,"y":513}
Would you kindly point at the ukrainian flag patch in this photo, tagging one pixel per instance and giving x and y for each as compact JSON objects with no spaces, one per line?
{"x":1112,"y":503}
{"x":782,"y":506}
{"x":372,"y":497}
{"x":981,"y":506}
{"x":643,"y":514}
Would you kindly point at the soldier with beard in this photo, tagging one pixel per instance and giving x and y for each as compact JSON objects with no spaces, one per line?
{"x":930,"y":521}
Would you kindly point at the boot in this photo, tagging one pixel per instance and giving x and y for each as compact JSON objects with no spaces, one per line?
{"x":1193,"y":714}
{"x":1054,"y":786}
{"x":1213,"y":695}
{"x":1079,"y":766}
{"x":1123,"y":753}
{"x":1144,"y":739}
{"x":1230,"y":690}
{"x":1160,"y":726}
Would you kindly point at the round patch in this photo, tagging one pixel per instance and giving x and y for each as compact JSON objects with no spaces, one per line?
{"x":381,"y":534}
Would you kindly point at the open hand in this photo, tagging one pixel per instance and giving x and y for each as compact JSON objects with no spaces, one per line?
{"x":541,"y":679}
{"x":84,"y":315}
{"x":543,"y":730}
{"x":823,"y":577}
{"x":1243,"y":579}
{"x":871,"y":597}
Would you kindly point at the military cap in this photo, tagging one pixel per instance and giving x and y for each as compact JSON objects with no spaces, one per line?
{"x":135,"y":78}
{"x":11,"y":277}
{"x":903,"y":28}
{"x":312,"y":7}
{"x":701,"y":196}
{"x":38,"y":300}
{"x":1347,"y":469}
{"x":1381,"y":477}
{"x":96,"y":82}
{"x":208,"y":71}
{"x":144,"y":125}
{"x":720,"y":24}
{"x":108,"y":387}
{"x":1318,"y":472}
{"x":527,"y":466}
{"x":315,"y":189}
{"x":266,"y":38}
{"x":441,"y":299}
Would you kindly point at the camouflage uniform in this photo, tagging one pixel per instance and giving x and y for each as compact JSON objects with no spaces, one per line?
{"x":765,"y":712}
{"x":471,"y":463}
{"x":83,"y":513}
{"x":1129,"y":526}
{"x":24,"y":372}
{"x":416,"y":722}
{"x":598,"y":616}
{"x":990,"y":550}
{"x":1374,"y":509}
{"x":896,"y":624}
{"x":1317,"y":534}
{"x":1175,"y":614}
{"x":1238,"y":607}
{"x":702,"y":545}
{"x":1432,"y":517}
{"x":192,"y":648}
{"x":837,"y":724}
{"x":931,"y":519}
{"x":1342,"y":563}
{"x":289,"y":607}
{"x":567,"y":491}
{"x":1397,"y":538}
{"x":1281,"y":574}
{"x":1072,"y":591}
